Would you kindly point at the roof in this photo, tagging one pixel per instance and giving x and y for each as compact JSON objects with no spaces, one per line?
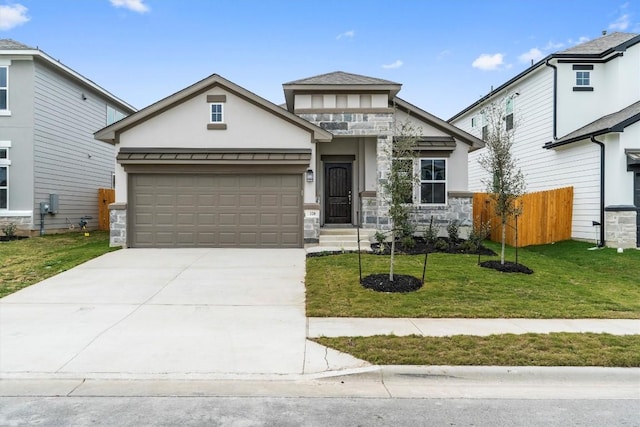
{"x":109,"y":133}
{"x":600,"y":45}
{"x":598,"y":48}
{"x":338,"y":81}
{"x":615,"y":122}
{"x":438,"y":123}
{"x":12,"y":48}
{"x":341,"y":78}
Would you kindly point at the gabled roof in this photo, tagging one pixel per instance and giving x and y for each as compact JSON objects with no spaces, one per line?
{"x":341,"y":78}
{"x":596,"y":49}
{"x":109,"y":133}
{"x":12,"y":48}
{"x":339,"y":81}
{"x":615,"y":122}
{"x":438,"y":123}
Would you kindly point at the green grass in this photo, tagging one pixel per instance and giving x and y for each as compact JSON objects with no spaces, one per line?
{"x":28,"y":261}
{"x":556,"y":349}
{"x":569,"y":281}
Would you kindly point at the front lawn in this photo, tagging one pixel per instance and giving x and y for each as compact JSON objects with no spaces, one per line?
{"x":569,"y":281}
{"x":28,"y":261}
{"x":556,"y":349}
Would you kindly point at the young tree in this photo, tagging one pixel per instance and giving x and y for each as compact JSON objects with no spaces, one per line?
{"x":506,"y":182}
{"x":399,"y":184}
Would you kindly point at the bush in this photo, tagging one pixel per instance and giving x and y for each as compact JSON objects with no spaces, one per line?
{"x":9,"y":230}
{"x":380,"y":237}
{"x":453,"y":230}
{"x":441,"y":245}
{"x":408,"y":242}
{"x":431,"y":232}
{"x":479,"y":233}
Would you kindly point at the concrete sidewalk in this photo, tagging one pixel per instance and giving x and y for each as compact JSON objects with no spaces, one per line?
{"x":354,"y":327}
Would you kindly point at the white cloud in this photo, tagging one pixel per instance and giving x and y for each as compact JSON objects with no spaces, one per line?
{"x":347,"y":34}
{"x":553,"y":46}
{"x":488,"y":62}
{"x":134,"y":5}
{"x":620,"y":24}
{"x":12,"y":15}
{"x":534,"y":54}
{"x":396,"y":64}
{"x":444,"y":54}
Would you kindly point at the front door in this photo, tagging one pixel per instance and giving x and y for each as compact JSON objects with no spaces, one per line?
{"x":337,"y":193}
{"x":636,"y":201}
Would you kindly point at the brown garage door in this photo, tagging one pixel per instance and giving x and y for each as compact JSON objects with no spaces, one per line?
{"x":177,"y":210}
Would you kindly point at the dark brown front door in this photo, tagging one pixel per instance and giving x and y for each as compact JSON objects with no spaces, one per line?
{"x":337,"y":190}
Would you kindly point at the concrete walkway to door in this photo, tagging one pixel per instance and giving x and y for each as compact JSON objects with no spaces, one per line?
{"x":174,"y":313}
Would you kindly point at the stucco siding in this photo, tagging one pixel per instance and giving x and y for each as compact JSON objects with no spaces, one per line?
{"x":68,"y":161}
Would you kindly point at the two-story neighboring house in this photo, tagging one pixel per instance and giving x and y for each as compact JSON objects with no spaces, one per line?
{"x":48,"y":114}
{"x":575,"y":115}
{"x":216,"y":165}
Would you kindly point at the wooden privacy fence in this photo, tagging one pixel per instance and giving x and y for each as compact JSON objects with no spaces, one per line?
{"x":106,"y":196}
{"x":546,"y":217}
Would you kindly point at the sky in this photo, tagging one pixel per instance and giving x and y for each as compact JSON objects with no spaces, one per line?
{"x":445,"y":53}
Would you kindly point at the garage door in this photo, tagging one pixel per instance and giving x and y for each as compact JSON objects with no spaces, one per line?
{"x":177,"y":210}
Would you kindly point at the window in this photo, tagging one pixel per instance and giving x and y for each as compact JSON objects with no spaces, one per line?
{"x":217,"y":115}
{"x":4,"y":174}
{"x":113,"y":115}
{"x":433,"y":181}
{"x":485,"y":132}
{"x":583,"y":78}
{"x":4,"y":88}
{"x":474,"y":122}
{"x":509,"y":113}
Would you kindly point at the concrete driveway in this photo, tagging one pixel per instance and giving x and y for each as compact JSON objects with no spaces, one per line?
{"x":153,"y":313}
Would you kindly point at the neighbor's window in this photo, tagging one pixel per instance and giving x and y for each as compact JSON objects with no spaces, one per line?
{"x":474,"y":122}
{"x":4,"y":88}
{"x":583,"y":78}
{"x":113,"y":115}
{"x":509,"y":113}
{"x":217,"y":115}
{"x":4,"y":177}
{"x":433,"y":181}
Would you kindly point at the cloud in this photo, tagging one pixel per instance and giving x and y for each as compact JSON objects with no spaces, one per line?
{"x":396,"y":64}
{"x":12,"y":15}
{"x":488,"y":62}
{"x":553,"y":46}
{"x":534,"y":54}
{"x":620,"y":24}
{"x":134,"y":5}
{"x":347,"y":34}
{"x":444,"y":54}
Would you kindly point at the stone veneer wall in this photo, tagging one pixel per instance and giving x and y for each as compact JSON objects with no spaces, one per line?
{"x":621,"y":227}
{"x":311,"y":223}
{"x":118,"y":224}
{"x":23,"y":224}
{"x":459,"y":208}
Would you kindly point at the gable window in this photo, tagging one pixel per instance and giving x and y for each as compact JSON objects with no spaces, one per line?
{"x":4,"y":174}
{"x":113,"y":115}
{"x":474,"y":122}
{"x":583,"y":78}
{"x":217,"y":113}
{"x":4,"y":88}
{"x":509,"y":113}
{"x":433,"y":182}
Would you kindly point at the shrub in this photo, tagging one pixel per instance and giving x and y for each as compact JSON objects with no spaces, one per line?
{"x":9,"y":230}
{"x":441,"y":245}
{"x":469,"y":246}
{"x":431,"y":232}
{"x":453,"y":230}
{"x":408,"y":242}
{"x":380,"y":237}
{"x":479,"y":233}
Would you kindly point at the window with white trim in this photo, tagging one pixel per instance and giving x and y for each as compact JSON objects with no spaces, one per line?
{"x":583,"y":78}
{"x":4,"y":88}
{"x":509,"y":113}
{"x":433,"y":182}
{"x":4,"y":174}
{"x":217,"y":112}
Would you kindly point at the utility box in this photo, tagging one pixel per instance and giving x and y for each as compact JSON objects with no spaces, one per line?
{"x":44,"y":207}
{"x":53,"y":203}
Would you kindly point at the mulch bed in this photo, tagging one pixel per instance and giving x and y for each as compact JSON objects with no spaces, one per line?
{"x":9,"y":239}
{"x":401,"y":283}
{"x":507,"y":267}
{"x":443,"y":245}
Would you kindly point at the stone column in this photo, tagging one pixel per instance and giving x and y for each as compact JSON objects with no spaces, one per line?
{"x":118,"y":224}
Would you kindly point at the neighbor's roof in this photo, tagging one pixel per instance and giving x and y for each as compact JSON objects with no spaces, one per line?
{"x":109,"y":133}
{"x":615,"y":122}
{"x":341,"y":78}
{"x":9,"y":47}
{"x":596,"y":49}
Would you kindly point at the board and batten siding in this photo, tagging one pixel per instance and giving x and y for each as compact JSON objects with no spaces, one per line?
{"x":576,"y":166}
{"x":68,"y":161}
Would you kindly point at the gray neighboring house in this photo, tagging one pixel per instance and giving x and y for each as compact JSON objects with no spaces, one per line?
{"x":48,"y":114}
{"x":215,"y":165}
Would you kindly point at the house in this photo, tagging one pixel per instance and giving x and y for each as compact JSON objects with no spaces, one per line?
{"x":576,"y":116}
{"x":48,"y":156}
{"x":216,"y":165}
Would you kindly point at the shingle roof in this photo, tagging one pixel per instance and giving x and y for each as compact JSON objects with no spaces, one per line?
{"x":615,"y":122}
{"x":341,"y":78}
{"x":599,"y":45}
{"x":9,"y":44}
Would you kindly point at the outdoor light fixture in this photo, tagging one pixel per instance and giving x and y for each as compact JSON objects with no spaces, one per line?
{"x":309,"y":175}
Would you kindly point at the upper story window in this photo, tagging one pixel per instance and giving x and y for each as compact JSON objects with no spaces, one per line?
{"x":4,"y":88}
{"x":583,"y":78}
{"x":113,"y":115}
{"x":433,"y":182}
{"x":4,"y":174}
{"x":474,"y":122}
{"x":217,"y":113}
{"x":508,"y":109}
